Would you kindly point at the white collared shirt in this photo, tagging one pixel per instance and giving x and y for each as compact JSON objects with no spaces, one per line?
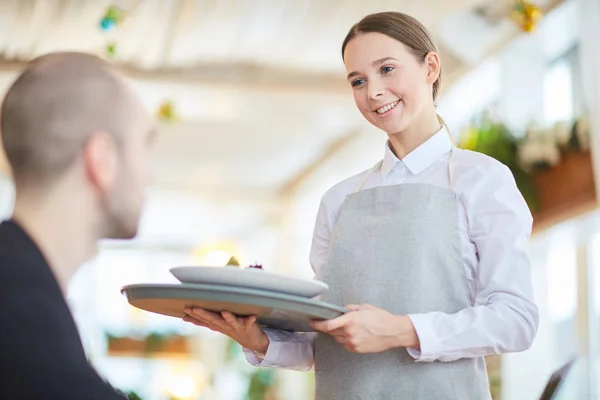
{"x":495,"y":227}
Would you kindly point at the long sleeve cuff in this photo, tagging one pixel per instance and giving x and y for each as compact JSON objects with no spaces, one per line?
{"x":478,"y":331}
{"x":286,"y":350}
{"x":424,"y":330}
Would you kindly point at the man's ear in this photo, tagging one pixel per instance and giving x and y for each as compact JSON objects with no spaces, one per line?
{"x":100,"y":160}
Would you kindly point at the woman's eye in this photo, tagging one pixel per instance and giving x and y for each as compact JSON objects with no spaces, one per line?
{"x":385,"y":70}
{"x":358,"y":82}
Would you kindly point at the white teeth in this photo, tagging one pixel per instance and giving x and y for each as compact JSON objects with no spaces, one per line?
{"x":387,"y":108}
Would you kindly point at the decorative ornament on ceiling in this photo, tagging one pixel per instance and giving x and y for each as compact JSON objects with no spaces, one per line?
{"x":526,"y":15}
{"x":111,"y":50}
{"x":166,"y":112}
{"x":111,"y":20}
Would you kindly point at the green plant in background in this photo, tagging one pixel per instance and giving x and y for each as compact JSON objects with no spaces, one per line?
{"x":133,"y":396}
{"x":129,"y":395}
{"x":495,"y":140}
{"x":260,"y":382}
{"x":539,"y":149}
{"x":154,"y":342}
{"x":579,"y":139}
{"x":233,"y":351}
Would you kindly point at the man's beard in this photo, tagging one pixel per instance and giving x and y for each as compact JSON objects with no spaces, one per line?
{"x":121,"y":219}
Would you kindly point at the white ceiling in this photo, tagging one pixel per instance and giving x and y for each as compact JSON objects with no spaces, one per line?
{"x":295,"y":34}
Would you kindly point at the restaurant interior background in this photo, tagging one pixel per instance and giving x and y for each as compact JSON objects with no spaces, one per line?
{"x":256,"y":122}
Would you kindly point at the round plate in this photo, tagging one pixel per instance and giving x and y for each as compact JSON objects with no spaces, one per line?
{"x":274,"y":310}
{"x":250,"y":278}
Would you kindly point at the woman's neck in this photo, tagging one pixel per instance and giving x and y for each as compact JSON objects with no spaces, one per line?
{"x":402,"y":143}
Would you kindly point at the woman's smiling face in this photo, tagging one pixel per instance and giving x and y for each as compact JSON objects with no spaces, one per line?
{"x":391,"y":86}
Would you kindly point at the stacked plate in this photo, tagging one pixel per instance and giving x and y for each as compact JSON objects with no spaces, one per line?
{"x":279,"y":301}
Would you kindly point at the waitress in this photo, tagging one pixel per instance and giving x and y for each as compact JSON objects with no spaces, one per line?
{"x":429,"y":248}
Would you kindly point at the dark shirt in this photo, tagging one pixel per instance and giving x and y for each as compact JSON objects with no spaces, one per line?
{"x":41,"y":354}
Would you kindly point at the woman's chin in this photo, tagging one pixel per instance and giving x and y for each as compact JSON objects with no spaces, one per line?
{"x":392,"y":127}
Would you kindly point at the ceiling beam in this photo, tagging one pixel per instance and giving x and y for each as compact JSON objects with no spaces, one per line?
{"x":333,"y":148}
{"x":239,"y":75}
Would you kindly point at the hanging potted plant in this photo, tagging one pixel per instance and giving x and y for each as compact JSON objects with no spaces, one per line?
{"x":560,"y":161}
{"x":495,"y":140}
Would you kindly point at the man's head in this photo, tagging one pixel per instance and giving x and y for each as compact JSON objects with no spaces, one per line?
{"x":70,"y":118}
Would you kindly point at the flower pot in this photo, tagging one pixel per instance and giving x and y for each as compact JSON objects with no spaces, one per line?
{"x":149,"y":346}
{"x":176,"y":345}
{"x":125,"y":345}
{"x":565,"y":190}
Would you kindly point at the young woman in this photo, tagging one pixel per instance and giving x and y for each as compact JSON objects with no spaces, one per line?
{"x":428,"y":248}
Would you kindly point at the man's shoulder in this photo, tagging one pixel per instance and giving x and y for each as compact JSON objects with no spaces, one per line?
{"x":14,"y":267}
{"x":11,"y":249}
{"x":9,"y":266}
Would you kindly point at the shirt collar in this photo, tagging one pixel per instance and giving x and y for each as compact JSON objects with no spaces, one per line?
{"x":420,"y":158}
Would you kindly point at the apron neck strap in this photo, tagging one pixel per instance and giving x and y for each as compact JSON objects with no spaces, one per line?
{"x":367,"y":175}
{"x":451,"y":168}
{"x":453,"y":144}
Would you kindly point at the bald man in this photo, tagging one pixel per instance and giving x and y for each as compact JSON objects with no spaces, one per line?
{"x":76,"y":138}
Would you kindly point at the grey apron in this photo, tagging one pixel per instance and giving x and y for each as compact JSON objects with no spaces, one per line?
{"x":397,"y":248}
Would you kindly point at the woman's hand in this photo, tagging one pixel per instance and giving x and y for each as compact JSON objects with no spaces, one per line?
{"x":243,"y":330}
{"x":368,"y":329}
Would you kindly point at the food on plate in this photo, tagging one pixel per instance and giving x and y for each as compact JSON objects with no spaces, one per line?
{"x":233,"y":262}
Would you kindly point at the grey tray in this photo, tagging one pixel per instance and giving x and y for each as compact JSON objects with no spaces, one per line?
{"x":274,"y":310}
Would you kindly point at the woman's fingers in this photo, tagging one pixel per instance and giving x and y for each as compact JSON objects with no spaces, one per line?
{"x":231,"y":320}
{"x":224,"y":322}
{"x":194,"y":321}
{"x":249,"y":321}
{"x":208,"y":318}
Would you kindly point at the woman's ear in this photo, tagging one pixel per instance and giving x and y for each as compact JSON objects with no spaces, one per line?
{"x":432,"y":62}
